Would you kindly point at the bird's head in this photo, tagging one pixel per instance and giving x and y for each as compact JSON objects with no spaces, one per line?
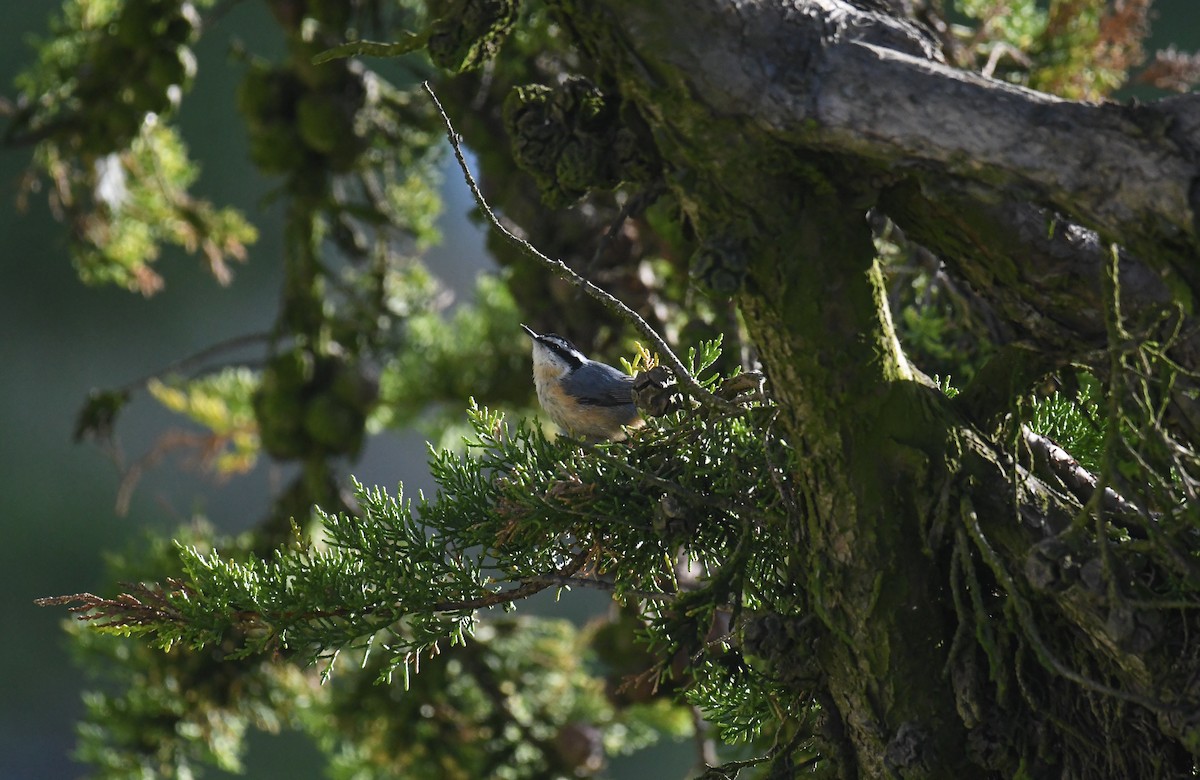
{"x":554,"y":355}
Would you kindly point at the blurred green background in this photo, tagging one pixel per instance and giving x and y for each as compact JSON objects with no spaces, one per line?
{"x":59,"y":339}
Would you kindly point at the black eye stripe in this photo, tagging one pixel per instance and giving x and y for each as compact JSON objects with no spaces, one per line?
{"x":561,"y":347}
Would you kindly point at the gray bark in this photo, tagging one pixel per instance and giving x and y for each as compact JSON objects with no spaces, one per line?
{"x":831,"y":76}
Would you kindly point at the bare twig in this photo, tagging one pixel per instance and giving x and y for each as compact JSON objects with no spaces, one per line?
{"x":633,"y":205}
{"x":560,"y":269}
{"x":228,"y":345}
{"x":526,"y":589}
{"x":605,"y":585}
{"x":731,"y":769}
{"x":144,"y":605}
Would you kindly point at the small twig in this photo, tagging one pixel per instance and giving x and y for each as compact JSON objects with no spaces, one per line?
{"x":673,"y":488}
{"x":408,"y":43}
{"x":148,"y":606}
{"x":143,"y":606}
{"x":559,"y":268}
{"x":207,"y":444}
{"x":237,"y":342}
{"x":12,"y":138}
{"x":633,"y":204}
{"x":588,"y":582}
{"x":731,"y":769}
{"x":998,"y":51}
{"x":523,"y":591}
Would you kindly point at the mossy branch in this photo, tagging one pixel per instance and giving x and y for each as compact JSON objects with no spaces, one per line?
{"x":408,"y":43}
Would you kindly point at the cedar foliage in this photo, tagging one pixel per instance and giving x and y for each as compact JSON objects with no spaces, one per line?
{"x":397,"y":605}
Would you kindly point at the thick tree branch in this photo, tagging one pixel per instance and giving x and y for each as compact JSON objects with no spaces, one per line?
{"x":828,"y":76}
{"x":1040,"y":272}
{"x":1052,"y":461}
{"x":1116,"y":168}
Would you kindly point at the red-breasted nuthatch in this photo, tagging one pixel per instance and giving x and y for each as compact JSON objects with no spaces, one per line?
{"x":583,"y":397}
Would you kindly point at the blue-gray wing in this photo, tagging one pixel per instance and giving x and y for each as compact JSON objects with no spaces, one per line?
{"x":598,"y":384}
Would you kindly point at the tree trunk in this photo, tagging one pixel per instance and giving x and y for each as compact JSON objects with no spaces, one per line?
{"x":914,"y":533}
{"x":869,"y":440}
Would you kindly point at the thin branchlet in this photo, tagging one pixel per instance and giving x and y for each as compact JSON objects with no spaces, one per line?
{"x":142,"y":605}
{"x":150,"y":607}
{"x":563,"y":271}
{"x":523,"y":591}
{"x":595,"y":584}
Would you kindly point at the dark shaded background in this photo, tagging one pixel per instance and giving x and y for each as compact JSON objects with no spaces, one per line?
{"x":58,"y":339}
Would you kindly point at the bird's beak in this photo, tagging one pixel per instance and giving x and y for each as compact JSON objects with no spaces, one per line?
{"x":526,"y":328}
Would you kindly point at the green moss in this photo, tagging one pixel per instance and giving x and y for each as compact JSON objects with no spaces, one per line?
{"x":470,"y":32}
